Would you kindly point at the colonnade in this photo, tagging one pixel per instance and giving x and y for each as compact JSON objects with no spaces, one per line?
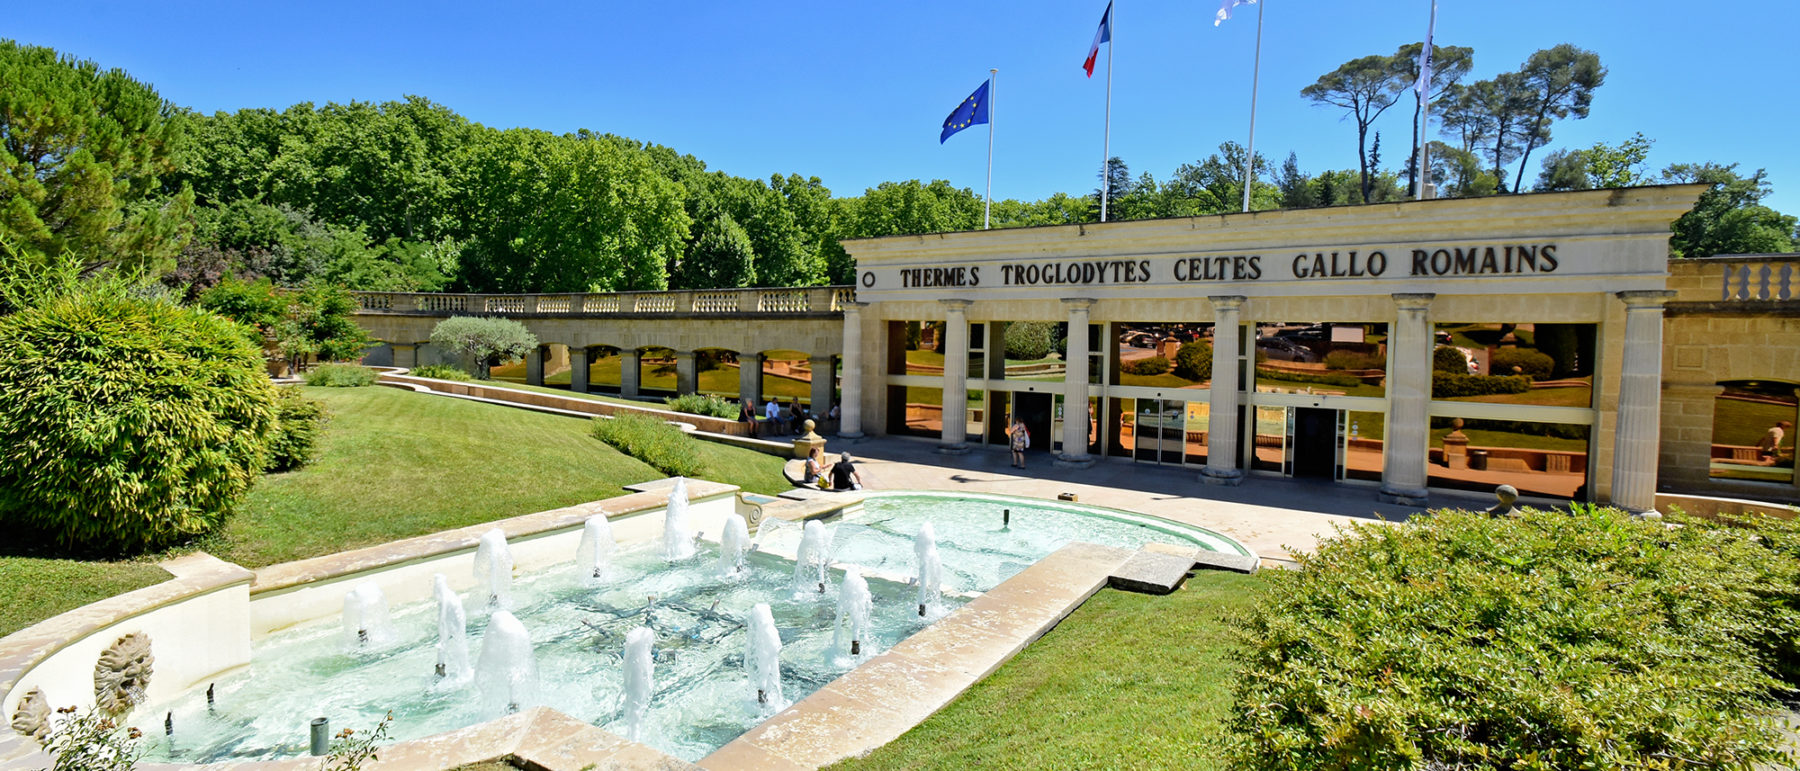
{"x":822,"y":390}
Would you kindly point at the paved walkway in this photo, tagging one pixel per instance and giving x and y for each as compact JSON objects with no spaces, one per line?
{"x":1270,"y":515}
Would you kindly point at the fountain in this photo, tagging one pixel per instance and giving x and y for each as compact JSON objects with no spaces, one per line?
{"x":366,"y":621}
{"x":678,"y":540}
{"x":453,"y":637}
{"x":854,"y":607}
{"x":506,"y":674}
{"x":594,"y":556}
{"x":812,"y":559}
{"x":931,"y":569}
{"x":734,"y":540}
{"x":494,"y":567}
{"x":762,"y":659}
{"x":639,"y":682}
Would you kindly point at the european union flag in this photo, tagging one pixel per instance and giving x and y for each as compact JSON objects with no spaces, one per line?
{"x":973,"y":110}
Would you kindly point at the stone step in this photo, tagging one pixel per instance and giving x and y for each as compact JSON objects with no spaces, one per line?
{"x":1150,"y":572}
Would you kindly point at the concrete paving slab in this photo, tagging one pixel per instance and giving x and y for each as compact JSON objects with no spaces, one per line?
{"x":1237,"y":563}
{"x":1148,"y":572}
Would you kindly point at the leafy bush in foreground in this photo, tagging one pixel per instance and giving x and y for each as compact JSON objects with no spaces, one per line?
{"x":650,"y":440}
{"x":702,"y":404}
{"x":299,"y":421}
{"x":126,"y":423}
{"x":441,"y":372}
{"x":1556,"y":640}
{"x":341,"y":376}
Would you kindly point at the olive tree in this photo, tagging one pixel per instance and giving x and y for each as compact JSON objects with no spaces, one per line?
{"x":489,"y":340}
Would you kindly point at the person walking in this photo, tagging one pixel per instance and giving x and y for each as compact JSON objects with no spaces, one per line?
{"x":1019,"y":437}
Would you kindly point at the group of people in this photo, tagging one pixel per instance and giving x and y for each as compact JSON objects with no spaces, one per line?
{"x":841,"y":475}
{"x":780,"y":420}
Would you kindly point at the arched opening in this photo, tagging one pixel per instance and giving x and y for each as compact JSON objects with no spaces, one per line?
{"x":1753,"y":431}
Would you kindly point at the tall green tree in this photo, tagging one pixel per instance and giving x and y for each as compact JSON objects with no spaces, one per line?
{"x":85,"y":158}
{"x":1555,"y":83}
{"x":1729,"y":217}
{"x":1216,"y":183}
{"x":721,"y":256}
{"x":1366,"y":87}
{"x":1449,"y":64}
{"x":1602,"y":166}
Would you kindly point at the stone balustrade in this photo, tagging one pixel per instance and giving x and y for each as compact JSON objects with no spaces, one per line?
{"x":771,"y":301}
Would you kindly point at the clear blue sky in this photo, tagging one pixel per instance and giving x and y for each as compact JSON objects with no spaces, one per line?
{"x":855,"y":93}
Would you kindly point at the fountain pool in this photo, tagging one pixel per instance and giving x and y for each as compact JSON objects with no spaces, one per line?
{"x":704,"y":693}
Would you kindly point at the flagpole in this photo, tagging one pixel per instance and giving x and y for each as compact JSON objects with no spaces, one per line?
{"x":987,"y":203}
{"x":1112,"y":34}
{"x":1255,"y":73}
{"x":1424,"y":169}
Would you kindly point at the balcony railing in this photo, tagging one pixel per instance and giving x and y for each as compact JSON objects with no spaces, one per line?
{"x":1761,"y":280}
{"x":817,"y":299}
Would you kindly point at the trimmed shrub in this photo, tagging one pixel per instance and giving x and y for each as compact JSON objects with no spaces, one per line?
{"x":489,"y":340}
{"x":441,"y":372}
{"x":1358,"y":360}
{"x":1193,"y":361}
{"x":127,"y":424}
{"x":1153,"y":365}
{"x":340,"y":376}
{"x":299,"y":421}
{"x":1445,"y":358}
{"x":1029,"y":340}
{"x":1530,"y":363}
{"x":650,"y":440}
{"x":1553,"y":640}
{"x":1302,"y":377}
{"x":702,"y":404}
{"x":1448,"y":385}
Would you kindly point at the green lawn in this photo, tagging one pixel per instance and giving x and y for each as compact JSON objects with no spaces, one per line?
{"x":33,"y":588}
{"x":1127,"y":681}
{"x":1566,"y":396}
{"x":1740,"y":422}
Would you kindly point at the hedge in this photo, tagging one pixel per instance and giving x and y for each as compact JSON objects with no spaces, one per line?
{"x":650,"y":440}
{"x":1153,"y":365}
{"x":1302,"y":377}
{"x":341,"y":376}
{"x":1554,"y":640}
{"x":1356,"y":360}
{"x":1533,"y":364}
{"x":126,"y":423}
{"x":441,"y":372}
{"x":1193,"y":361}
{"x":1448,"y":385}
{"x":702,"y":404}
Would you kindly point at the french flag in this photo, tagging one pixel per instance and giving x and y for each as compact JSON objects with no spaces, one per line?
{"x":1103,"y":35}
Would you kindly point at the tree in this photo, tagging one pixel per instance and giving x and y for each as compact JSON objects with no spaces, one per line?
{"x":84,"y":157}
{"x":1116,"y":178}
{"x":1365,"y":87}
{"x":1295,"y":185}
{"x":1554,"y":83}
{"x":489,"y":340}
{"x":1216,"y":184}
{"x":720,"y":257}
{"x":1728,"y":218}
{"x":1599,"y":167}
{"x":1449,"y":64}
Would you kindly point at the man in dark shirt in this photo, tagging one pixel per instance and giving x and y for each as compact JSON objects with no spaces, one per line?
{"x":843,"y":474}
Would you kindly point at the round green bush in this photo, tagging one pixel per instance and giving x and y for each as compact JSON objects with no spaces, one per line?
{"x":299,"y":421}
{"x":125,"y":423}
{"x":1153,"y":365}
{"x":1193,"y":361}
{"x":1446,"y":359}
{"x":1530,"y":363}
{"x":1029,"y":340}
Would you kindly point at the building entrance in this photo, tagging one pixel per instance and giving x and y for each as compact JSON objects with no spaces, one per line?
{"x":1315,"y":444}
{"x":1035,"y":410}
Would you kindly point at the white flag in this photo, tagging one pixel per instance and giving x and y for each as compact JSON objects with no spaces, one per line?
{"x":1225,"y":7}
{"x":1423,"y":87}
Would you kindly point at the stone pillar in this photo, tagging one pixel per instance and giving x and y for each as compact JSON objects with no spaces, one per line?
{"x":1640,"y":402}
{"x":1408,"y":440}
{"x":686,"y":380}
{"x":630,"y":373}
{"x":1222,"y":404}
{"x":824,"y":375}
{"x":955,"y":416}
{"x":534,"y":365}
{"x":405,"y":354}
{"x":750,"y":366}
{"x":1075,"y":386}
{"x":850,"y":423}
{"x":578,"y":369}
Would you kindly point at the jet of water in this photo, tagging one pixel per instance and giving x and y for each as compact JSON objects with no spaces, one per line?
{"x":594,"y":556}
{"x":812,"y":560}
{"x":931,"y":569}
{"x":366,"y":620}
{"x":506,"y":673}
{"x":678,"y":539}
{"x":494,"y":567}
{"x":640,"y":682}
{"x":733,"y":541}
{"x":453,"y":636}
{"x":851,"y":634}
{"x":762,"y":659}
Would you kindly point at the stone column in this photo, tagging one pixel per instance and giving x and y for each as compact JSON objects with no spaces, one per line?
{"x":1408,"y":440}
{"x":534,"y":365}
{"x":1222,"y":406}
{"x":686,"y":380}
{"x":630,"y":373}
{"x":955,"y":416}
{"x":578,"y":369}
{"x":1075,"y":386}
{"x":750,"y":367}
{"x":850,"y":423}
{"x":1640,"y":402}
{"x":824,"y":375}
{"x":405,"y":354}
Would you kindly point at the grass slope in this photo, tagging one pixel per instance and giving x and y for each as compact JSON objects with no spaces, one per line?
{"x":33,"y":589}
{"x":1127,"y":681}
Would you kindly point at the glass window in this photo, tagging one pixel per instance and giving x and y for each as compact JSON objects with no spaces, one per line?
{"x":1123,"y":415}
{"x":977,"y":416}
{"x":1151,"y":354}
{"x":1753,"y":431}
{"x":1321,"y":357}
{"x":1525,"y":363}
{"x":1032,"y":350}
{"x":1363,"y":437}
{"x":1269,"y":439}
{"x":1545,"y":459}
{"x":916,"y":411}
{"x":1199,"y":416}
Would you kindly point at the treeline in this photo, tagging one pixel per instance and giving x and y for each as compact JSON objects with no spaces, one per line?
{"x":409,"y":195}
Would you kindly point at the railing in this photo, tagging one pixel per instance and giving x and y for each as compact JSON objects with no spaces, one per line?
{"x":817,"y":299}
{"x":1761,"y":280}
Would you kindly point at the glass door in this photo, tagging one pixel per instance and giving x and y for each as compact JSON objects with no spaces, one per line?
{"x":1161,"y":431}
{"x":1271,"y":439}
